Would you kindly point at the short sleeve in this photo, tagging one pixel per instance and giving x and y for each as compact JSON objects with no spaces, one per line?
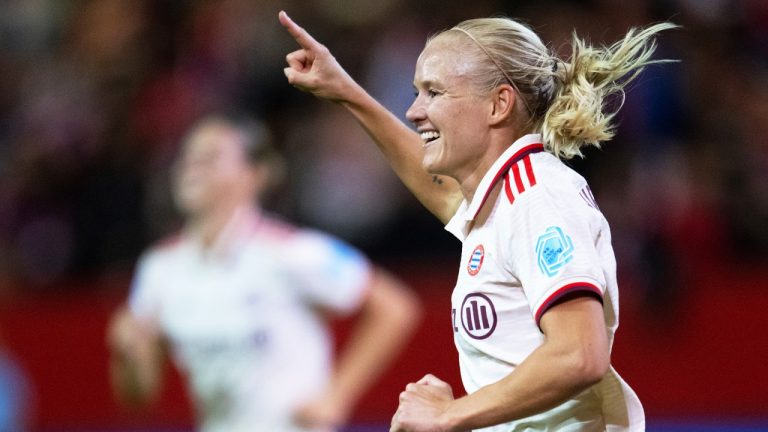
{"x":553,"y":249}
{"x":329,"y":272}
{"x":144,"y":297}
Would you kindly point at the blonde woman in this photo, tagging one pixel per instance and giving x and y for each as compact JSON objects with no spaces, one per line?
{"x":535,"y":307}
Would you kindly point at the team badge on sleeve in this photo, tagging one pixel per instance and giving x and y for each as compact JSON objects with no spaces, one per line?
{"x":554,"y":249}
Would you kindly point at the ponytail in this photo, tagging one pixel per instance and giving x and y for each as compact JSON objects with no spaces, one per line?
{"x":576,"y":116}
{"x":565,"y":101}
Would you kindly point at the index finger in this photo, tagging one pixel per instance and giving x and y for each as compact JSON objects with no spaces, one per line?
{"x":302,"y":37}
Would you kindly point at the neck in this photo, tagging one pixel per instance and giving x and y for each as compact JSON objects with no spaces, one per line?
{"x":208,"y":226}
{"x":469,"y":182}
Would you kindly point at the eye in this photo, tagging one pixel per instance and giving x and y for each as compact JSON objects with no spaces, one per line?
{"x":430,"y":93}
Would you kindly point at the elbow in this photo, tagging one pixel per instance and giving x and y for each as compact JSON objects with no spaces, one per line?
{"x":394,"y":302}
{"x":409,"y":308}
{"x":404,"y":310}
{"x":575,"y":330}
{"x":589,"y":366}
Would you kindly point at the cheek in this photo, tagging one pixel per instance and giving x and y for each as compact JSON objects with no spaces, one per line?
{"x":451,"y":116}
{"x":192,"y":188}
{"x":198,"y":182}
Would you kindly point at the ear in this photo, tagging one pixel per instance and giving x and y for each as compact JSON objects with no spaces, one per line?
{"x":267,"y":175}
{"x":503,"y":102}
{"x":256,"y":179}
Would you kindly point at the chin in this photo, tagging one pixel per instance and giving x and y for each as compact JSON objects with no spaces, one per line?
{"x":432,"y":162}
{"x":189,"y":206}
{"x":186,"y":209}
{"x":429,"y":164}
{"x":433,"y":167}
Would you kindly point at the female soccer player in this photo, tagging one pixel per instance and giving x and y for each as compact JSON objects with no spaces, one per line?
{"x":241,"y":301}
{"x":535,"y":307}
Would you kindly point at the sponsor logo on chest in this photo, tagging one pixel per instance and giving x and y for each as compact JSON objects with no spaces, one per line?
{"x":477,"y":316}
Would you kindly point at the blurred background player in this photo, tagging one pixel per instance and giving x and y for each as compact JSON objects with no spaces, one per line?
{"x":241,"y":300}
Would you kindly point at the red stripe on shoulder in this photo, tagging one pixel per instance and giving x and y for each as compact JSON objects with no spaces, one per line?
{"x":518,"y":179}
{"x":564,"y":290}
{"x":529,"y":170}
{"x":533,"y":148}
{"x":508,"y":189}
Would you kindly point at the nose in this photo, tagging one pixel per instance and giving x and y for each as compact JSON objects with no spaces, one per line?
{"x":417,"y":111}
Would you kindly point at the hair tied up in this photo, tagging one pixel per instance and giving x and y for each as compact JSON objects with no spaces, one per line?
{"x":564,"y":100}
{"x":576,"y":116}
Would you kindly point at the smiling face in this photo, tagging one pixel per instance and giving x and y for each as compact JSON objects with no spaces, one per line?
{"x":449,"y":113}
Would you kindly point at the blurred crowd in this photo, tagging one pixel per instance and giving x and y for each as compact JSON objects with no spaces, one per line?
{"x":95,"y":96}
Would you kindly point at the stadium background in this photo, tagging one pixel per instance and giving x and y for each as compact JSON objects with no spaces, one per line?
{"x":95,"y":95}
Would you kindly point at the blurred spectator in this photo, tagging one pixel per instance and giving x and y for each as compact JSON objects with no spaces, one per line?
{"x":336,"y":169}
{"x":95,"y":94}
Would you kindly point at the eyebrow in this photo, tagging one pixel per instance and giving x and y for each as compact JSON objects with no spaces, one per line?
{"x":424,"y":83}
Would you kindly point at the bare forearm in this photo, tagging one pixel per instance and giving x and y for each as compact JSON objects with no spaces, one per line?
{"x":404,"y":149}
{"x":385,"y":325}
{"x":543,"y":381}
{"x":136,"y":355}
{"x":313,"y":69}
{"x":574,"y":356}
{"x":132,"y":382}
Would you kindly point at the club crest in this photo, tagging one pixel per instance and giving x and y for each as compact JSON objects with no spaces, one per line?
{"x":476,"y":260}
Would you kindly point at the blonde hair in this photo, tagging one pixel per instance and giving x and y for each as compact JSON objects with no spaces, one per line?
{"x":564,"y":100}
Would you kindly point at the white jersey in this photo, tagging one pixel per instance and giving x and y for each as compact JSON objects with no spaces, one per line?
{"x":242,"y":318}
{"x":544,"y":238}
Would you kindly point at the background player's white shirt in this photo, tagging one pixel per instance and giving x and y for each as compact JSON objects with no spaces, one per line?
{"x":241,"y":318}
{"x":544,"y":238}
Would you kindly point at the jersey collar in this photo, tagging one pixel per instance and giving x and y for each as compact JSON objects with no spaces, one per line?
{"x":524,"y":146}
{"x":233,"y":236}
{"x":468,"y":211}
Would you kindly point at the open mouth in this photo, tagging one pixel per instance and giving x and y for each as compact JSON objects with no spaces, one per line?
{"x":429,"y":136}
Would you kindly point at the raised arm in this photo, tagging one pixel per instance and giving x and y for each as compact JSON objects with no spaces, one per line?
{"x":313,"y":69}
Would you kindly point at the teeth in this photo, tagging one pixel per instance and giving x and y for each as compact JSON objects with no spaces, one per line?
{"x":430,"y":135}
